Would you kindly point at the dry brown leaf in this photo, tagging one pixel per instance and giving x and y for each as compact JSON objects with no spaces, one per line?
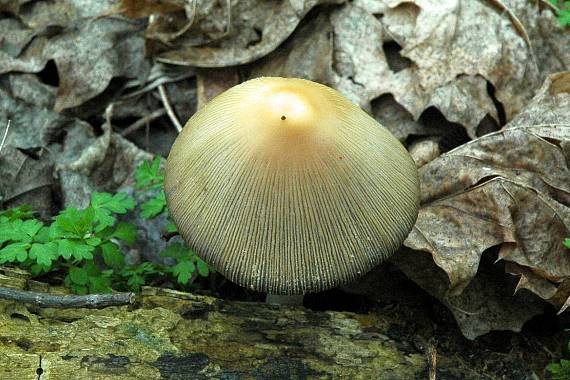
{"x":454,"y":49}
{"x":555,"y":293}
{"x":257,"y":27}
{"x":488,"y":303}
{"x":145,"y":8}
{"x":26,"y":179}
{"x":12,"y":6}
{"x":364,"y":71}
{"x":89,"y":57}
{"x":29,"y":88}
{"x":42,"y":16}
{"x":508,"y":189}
{"x":474,"y":38}
{"x":21,"y":48}
{"x":509,"y":186}
{"x":88,"y":50}
{"x":307,"y":54}
{"x":550,"y":106}
{"x":212,"y":82}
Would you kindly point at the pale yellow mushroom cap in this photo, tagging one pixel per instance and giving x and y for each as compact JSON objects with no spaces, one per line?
{"x":286,"y":187}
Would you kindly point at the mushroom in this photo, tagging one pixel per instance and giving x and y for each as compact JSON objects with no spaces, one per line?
{"x":286,"y":187}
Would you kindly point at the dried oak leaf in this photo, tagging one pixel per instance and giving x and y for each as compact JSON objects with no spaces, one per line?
{"x":12,"y":6}
{"x":509,"y":187}
{"x":455,"y":51}
{"x":545,"y":277}
{"x":506,"y":187}
{"x":551,"y":105}
{"x":146,"y":8}
{"x":508,"y":190}
{"x":88,"y":49}
{"x":257,"y":27}
{"x":486,"y":304}
{"x":307,"y":54}
{"x":26,"y":179}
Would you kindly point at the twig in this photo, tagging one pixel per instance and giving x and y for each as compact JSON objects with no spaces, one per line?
{"x":229,"y":19}
{"x":90,"y":301}
{"x":432,"y":359}
{"x":142,"y":121}
{"x":109,"y":113}
{"x":548,"y":4}
{"x":5,"y":135}
{"x":167,"y":38}
{"x":188,"y":24}
{"x":465,"y":311}
{"x":168,"y":108}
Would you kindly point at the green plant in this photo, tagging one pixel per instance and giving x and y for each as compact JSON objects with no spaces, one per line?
{"x":74,"y":241}
{"x":150,"y":178}
{"x":567,"y":242}
{"x":87,"y":246}
{"x":563,"y":12}
{"x":561,"y":370}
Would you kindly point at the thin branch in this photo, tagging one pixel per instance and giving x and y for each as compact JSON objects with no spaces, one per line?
{"x":432,"y":360}
{"x":168,"y":108}
{"x":188,"y":24}
{"x":90,"y":301}
{"x":143,"y":121}
{"x":5,"y":135}
{"x":229,"y":18}
{"x":109,"y":113}
{"x":548,"y":4}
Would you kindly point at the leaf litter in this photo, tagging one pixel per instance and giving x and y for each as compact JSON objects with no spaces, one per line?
{"x":476,"y":65}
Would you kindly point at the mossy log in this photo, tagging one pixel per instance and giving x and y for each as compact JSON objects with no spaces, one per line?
{"x":173,"y":335}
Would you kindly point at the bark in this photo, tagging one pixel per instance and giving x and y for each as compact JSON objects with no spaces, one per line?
{"x":173,"y":335}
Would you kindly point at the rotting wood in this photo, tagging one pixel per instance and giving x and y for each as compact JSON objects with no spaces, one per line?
{"x":168,"y":334}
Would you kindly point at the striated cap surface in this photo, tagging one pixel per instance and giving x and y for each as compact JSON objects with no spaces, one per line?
{"x":286,"y":187}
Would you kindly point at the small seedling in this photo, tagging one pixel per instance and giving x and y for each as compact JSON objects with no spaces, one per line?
{"x":563,"y":12}
{"x":150,"y":178}
{"x":560,"y":370}
{"x":87,"y":246}
{"x":74,"y":241}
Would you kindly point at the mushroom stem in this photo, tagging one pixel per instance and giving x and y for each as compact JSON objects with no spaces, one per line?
{"x":296,"y":300}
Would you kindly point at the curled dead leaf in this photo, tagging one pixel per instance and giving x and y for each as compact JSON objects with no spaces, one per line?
{"x":458,"y":62}
{"x":510,"y":186}
{"x":224,"y":35}
{"x":88,"y":50}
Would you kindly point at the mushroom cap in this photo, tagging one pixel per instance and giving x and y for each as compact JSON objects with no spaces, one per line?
{"x":286,"y":187}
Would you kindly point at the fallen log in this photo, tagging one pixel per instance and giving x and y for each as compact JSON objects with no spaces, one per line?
{"x":168,"y":334}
